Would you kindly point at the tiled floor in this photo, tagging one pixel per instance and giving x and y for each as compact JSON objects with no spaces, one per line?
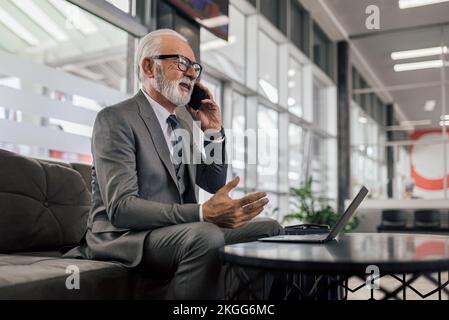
{"x":422,"y":285}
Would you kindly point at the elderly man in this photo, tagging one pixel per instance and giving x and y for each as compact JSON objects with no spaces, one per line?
{"x":145,"y":211}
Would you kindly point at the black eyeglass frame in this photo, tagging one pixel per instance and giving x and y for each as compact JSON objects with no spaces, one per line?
{"x":196,"y":66}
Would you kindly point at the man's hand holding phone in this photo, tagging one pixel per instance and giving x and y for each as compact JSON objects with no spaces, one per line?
{"x":203,"y":108}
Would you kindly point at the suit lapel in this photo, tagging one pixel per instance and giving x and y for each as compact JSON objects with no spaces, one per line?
{"x":155,"y":130}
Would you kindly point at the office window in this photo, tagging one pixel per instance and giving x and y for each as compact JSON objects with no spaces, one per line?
{"x":356,"y":122}
{"x":275,"y":12}
{"x":237,"y":194}
{"x":356,"y":84}
{"x":318,"y":157}
{"x":363,"y":96}
{"x":322,"y":50}
{"x":267,"y":149}
{"x":299,"y":27}
{"x":272,"y":208}
{"x":316,"y":170}
{"x":268,"y":68}
{"x":76,"y":63}
{"x":214,"y":86}
{"x":369,"y":102}
{"x":295,"y":156}
{"x":295,"y":104}
{"x":227,"y":56}
{"x":319,"y":104}
{"x":375,"y":109}
{"x":238,"y":143}
{"x":318,"y":166}
{"x":123,"y":5}
{"x":253,"y":2}
{"x":367,"y":153}
{"x":65,"y":37}
{"x":381,"y":113}
{"x":402,"y":163}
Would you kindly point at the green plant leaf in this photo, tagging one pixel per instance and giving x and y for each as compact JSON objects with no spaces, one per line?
{"x":310,"y":210}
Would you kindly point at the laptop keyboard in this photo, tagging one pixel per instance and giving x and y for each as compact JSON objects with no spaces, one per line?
{"x":316,"y":236}
{"x":306,"y":236}
{"x":300,"y":238}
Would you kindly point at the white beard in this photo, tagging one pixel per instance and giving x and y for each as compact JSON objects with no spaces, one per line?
{"x":170,"y":88}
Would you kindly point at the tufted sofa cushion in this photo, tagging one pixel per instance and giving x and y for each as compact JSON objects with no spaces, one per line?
{"x":83,"y":169}
{"x":43,"y":205}
{"x":28,"y":277}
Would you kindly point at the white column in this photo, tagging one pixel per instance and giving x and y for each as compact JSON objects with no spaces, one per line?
{"x":307,"y":82}
{"x":282,"y":74}
{"x":252,"y":50}
{"x":283,"y":152}
{"x":283,"y":182}
{"x":251,"y":150}
{"x":332,"y":169}
{"x":331,"y":110}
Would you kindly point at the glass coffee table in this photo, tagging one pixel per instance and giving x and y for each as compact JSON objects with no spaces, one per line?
{"x":367,"y":256}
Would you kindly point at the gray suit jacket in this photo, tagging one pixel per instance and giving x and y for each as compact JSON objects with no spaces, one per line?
{"x":134,"y":184}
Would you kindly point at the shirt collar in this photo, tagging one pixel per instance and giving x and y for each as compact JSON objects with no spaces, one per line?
{"x":161,"y":113}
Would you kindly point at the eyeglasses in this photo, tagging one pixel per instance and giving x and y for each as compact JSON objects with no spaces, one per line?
{"x":183,"y":63}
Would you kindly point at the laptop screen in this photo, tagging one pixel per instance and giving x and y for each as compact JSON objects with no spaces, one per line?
{"x":344,"y":218}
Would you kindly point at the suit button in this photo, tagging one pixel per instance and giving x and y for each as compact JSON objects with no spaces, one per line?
{"x":46,"y":204}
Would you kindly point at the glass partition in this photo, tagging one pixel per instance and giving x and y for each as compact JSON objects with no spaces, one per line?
{"x":59,"y":65}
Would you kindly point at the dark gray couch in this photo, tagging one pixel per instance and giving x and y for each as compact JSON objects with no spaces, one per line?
{"x":43,"y":208}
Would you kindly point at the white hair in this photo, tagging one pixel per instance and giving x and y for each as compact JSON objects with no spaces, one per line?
{"x":149,"y":46}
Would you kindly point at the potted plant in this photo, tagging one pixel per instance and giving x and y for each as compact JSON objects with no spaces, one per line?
{"x":309,"y":210}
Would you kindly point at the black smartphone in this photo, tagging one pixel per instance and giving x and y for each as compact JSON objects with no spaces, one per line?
{"x":198,"y":95}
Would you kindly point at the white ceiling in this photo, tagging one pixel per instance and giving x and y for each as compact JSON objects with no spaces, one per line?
{"x":351,"y":14}
{"x":400,"y":29}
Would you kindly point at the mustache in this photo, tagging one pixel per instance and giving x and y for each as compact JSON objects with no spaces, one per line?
{"x":186,"y":81}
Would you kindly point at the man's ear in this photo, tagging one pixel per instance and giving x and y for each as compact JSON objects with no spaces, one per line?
{"x":147,"y":67}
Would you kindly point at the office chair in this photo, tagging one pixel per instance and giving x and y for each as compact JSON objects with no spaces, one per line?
{"x":392,"y":220}
{"x":427,"y":220}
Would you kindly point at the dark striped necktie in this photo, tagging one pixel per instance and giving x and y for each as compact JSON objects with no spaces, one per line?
{"x":176,"y":140}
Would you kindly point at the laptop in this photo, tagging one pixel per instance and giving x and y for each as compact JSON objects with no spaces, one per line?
{"x":323,"y":237}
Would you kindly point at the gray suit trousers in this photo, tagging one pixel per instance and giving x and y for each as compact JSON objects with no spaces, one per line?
{"x":189,"y":254}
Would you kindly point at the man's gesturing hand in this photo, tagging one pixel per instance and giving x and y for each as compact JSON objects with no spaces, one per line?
{"x":232,"y":213}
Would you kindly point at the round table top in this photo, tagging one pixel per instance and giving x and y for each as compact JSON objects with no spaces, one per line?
{"x":348,"y":254}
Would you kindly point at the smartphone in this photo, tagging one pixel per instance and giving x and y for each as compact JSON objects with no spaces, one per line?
{"x":198,"y":95}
